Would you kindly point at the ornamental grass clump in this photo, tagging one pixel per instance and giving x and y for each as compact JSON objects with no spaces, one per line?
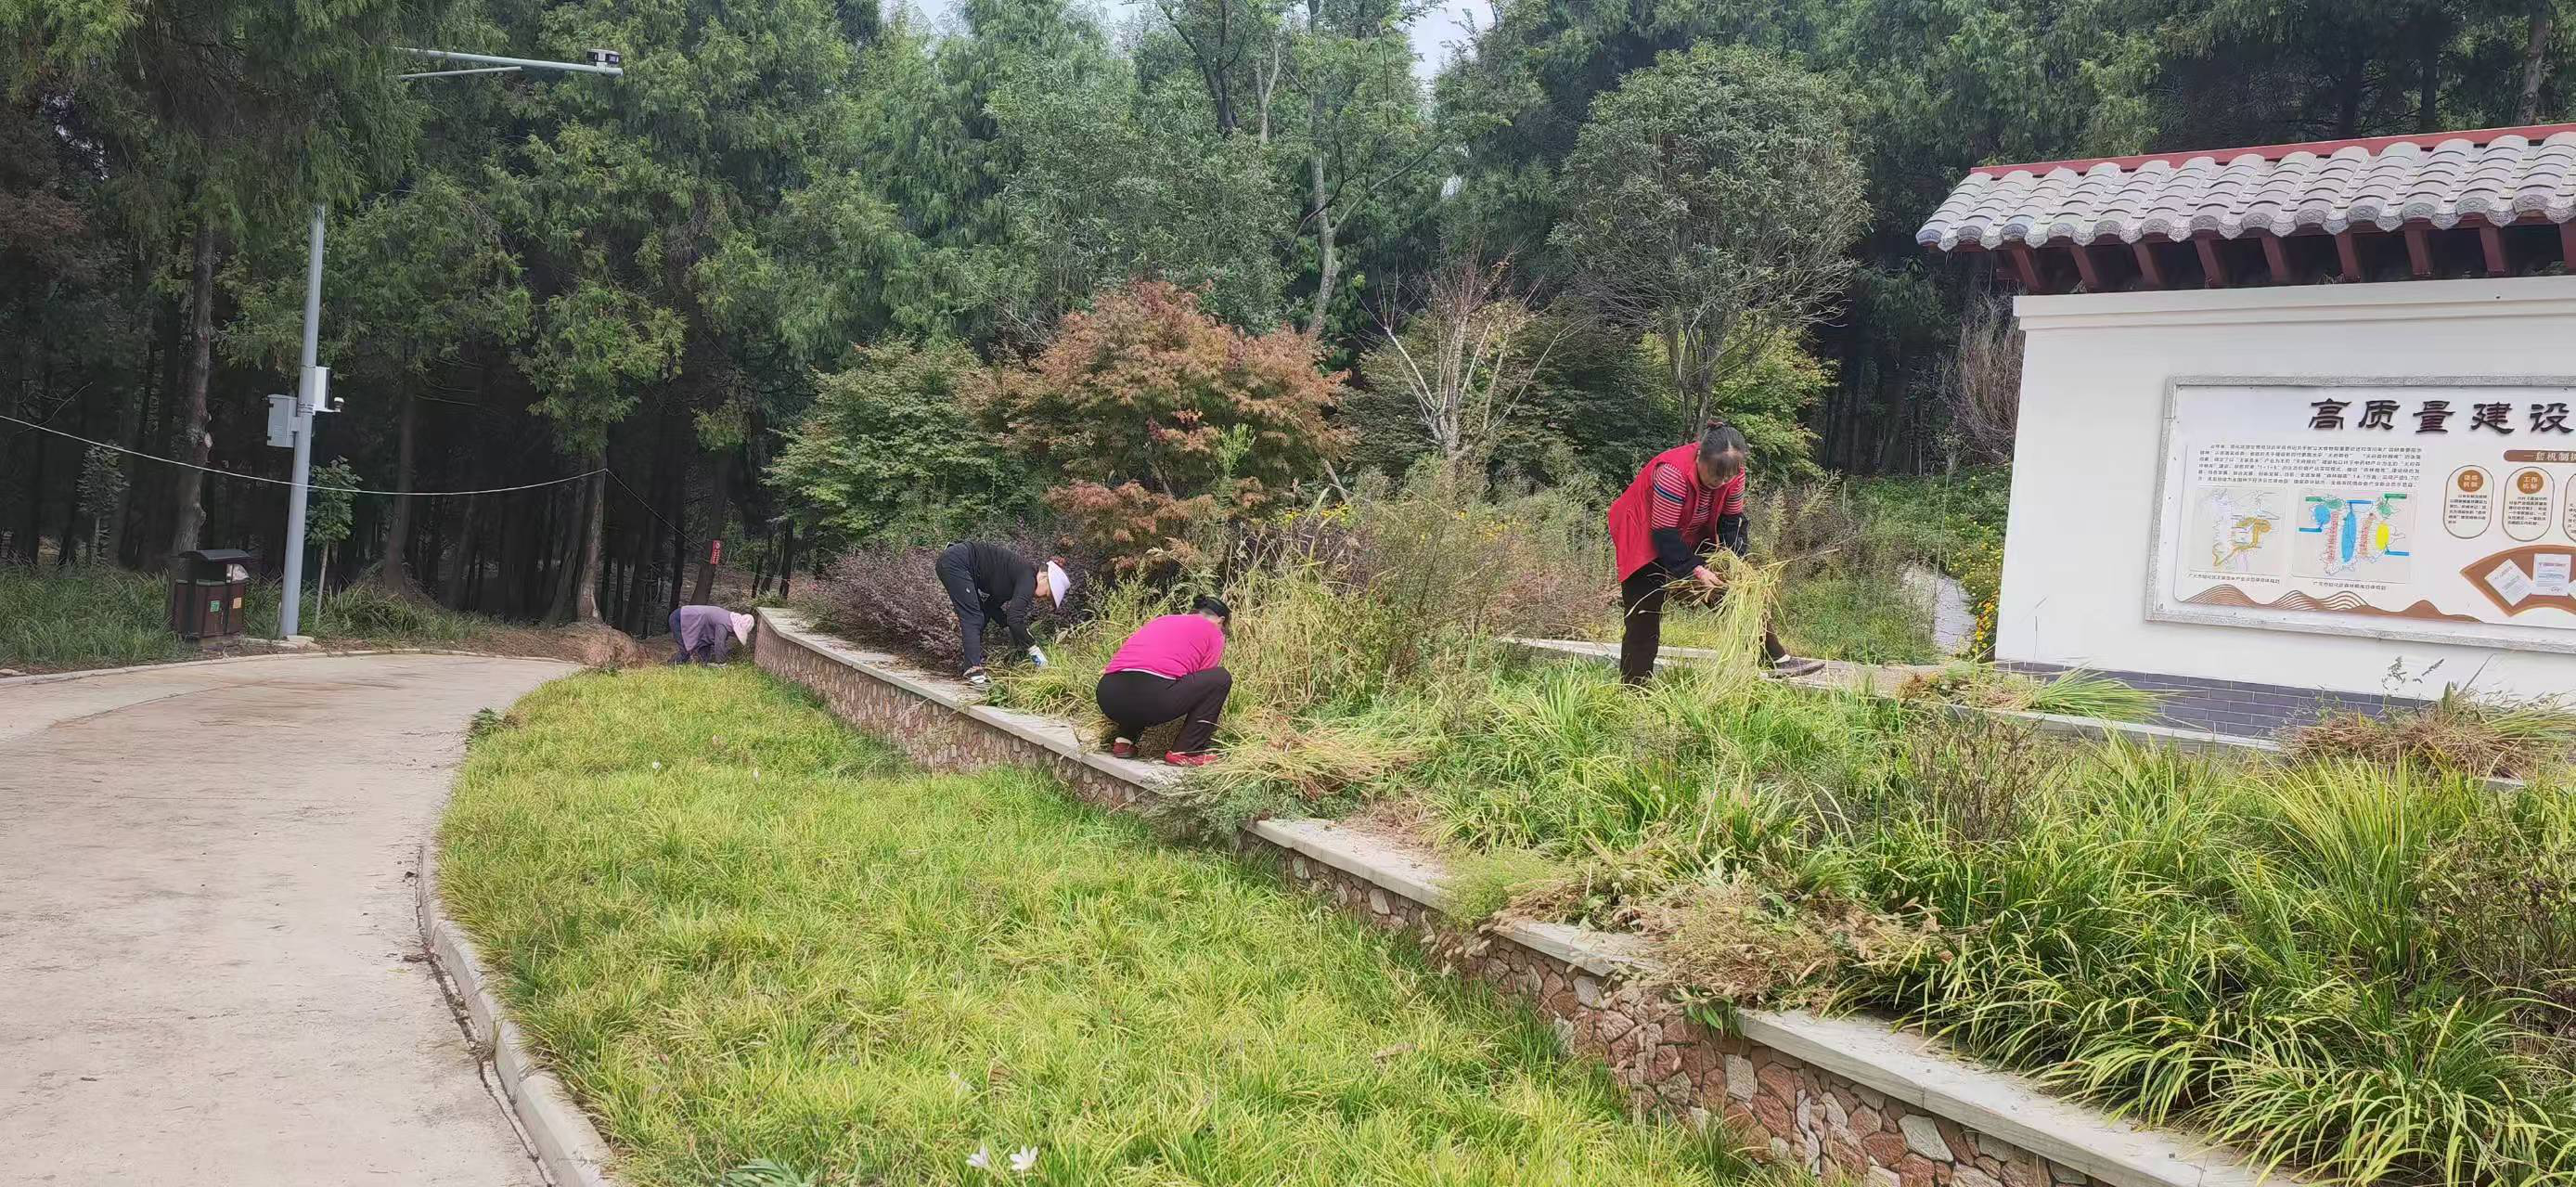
{"x":1563,"y":760}
{"x":2279,"y":954}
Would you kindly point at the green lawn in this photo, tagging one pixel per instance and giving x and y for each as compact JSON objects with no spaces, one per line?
{"x":780,"y":944}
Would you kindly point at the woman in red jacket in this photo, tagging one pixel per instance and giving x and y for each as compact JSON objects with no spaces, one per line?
{"x":1685,"y":502}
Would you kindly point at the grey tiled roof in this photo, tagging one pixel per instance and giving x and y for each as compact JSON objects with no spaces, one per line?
{"x":2456,"y":182}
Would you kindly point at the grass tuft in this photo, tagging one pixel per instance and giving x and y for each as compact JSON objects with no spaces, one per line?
{"x":1482,"y":885}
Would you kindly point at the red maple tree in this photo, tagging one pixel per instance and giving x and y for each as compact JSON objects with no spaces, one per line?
{"x":1161,"y":419}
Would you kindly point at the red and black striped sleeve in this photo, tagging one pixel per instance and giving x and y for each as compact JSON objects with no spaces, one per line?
{"x":1672,"y":502}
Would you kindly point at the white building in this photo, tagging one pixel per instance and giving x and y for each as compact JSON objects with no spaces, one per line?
{"x":2294,"y":419}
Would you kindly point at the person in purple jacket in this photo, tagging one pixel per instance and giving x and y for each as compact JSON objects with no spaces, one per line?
{"x":1168,"y":669}
{"x":705,"y":633}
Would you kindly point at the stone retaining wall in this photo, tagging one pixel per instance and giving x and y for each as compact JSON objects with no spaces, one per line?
{"x":1671,"y":1062}
{"x":1890,"y":1111}
{"x":932,"y":733}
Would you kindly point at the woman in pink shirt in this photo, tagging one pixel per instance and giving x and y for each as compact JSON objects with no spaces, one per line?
{"x":1166,"y":670}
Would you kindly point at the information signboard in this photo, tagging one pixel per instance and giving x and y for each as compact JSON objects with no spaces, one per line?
{"x":2421,"y":509}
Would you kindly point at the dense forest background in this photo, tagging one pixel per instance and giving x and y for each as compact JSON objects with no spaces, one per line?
{"x":802,"y":278}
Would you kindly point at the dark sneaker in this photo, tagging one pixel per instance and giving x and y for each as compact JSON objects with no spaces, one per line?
{"x":1178,"y":759}
{"x":1791,"y":667}
{"x":1121,"y":748}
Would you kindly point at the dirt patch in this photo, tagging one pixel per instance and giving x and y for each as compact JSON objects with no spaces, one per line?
{"x":592,"y":645}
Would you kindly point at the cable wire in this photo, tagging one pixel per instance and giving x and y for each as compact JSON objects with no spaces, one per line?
{"x":355,"y":490}
{"x":642,"y":502}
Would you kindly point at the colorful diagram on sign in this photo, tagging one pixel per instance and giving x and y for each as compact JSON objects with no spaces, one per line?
{"x":2239,"y":530}
{"x":2355,"y":536}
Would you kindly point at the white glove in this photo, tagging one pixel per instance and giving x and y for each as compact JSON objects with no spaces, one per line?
{"x":1037,"y":657}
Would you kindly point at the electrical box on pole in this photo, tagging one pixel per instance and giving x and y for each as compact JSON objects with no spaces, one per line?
{"x":281,"y":421}
{"x":314,"y":393}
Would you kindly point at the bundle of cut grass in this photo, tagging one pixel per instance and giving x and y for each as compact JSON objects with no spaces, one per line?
{"x":2460,"y":732}
{"x":1740,"y":609}
{"x":2074,"y":693}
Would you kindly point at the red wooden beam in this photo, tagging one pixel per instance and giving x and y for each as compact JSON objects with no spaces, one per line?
{"x":2276,"y":254}
{"x":2154,"y":272}
{"x":2213,"y":269}
{"x":2419,"y":252}
{"x":2028,"y":266}
{"x":2348,"y":255}
{"x":2084,"y":267}
{"x":2493,"y":241}
{"x":2567,"y":244}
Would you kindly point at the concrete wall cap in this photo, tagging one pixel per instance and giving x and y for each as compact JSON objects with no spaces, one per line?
{"x":1370,"y":859}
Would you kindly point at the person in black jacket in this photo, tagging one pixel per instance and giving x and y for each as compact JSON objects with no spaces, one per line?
{"x":989,"y":581}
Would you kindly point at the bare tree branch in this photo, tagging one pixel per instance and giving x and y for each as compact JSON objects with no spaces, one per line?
{"x":1472,"y":353}
{"x":1983,"y":388}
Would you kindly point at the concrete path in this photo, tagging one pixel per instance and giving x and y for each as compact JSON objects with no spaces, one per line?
{"x":208,"y":960}
{"x":1945,"y":602}
{"x":1840,"y":674}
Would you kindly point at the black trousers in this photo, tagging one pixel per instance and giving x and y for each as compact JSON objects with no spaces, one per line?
{"x":959,"y":581}
{"x":1641,"y":624}
{"x":1139,"y":701}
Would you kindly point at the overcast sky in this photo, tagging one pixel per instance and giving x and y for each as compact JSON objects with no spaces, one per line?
{"x":1435,"y":37}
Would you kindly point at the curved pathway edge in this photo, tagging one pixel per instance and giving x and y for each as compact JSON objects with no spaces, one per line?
{"x":184,"y":664}
{"x":567,"y":1145}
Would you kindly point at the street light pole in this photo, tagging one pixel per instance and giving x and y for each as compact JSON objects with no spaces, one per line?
{"x":308,"y":397}
{"x":313,"y":382}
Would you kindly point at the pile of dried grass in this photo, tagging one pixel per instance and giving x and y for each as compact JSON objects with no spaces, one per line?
{"x":1726,"y":933}
{"x":1735,"y":939}
{"x":2459,"y":733}
{"x":2075,"y":693}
